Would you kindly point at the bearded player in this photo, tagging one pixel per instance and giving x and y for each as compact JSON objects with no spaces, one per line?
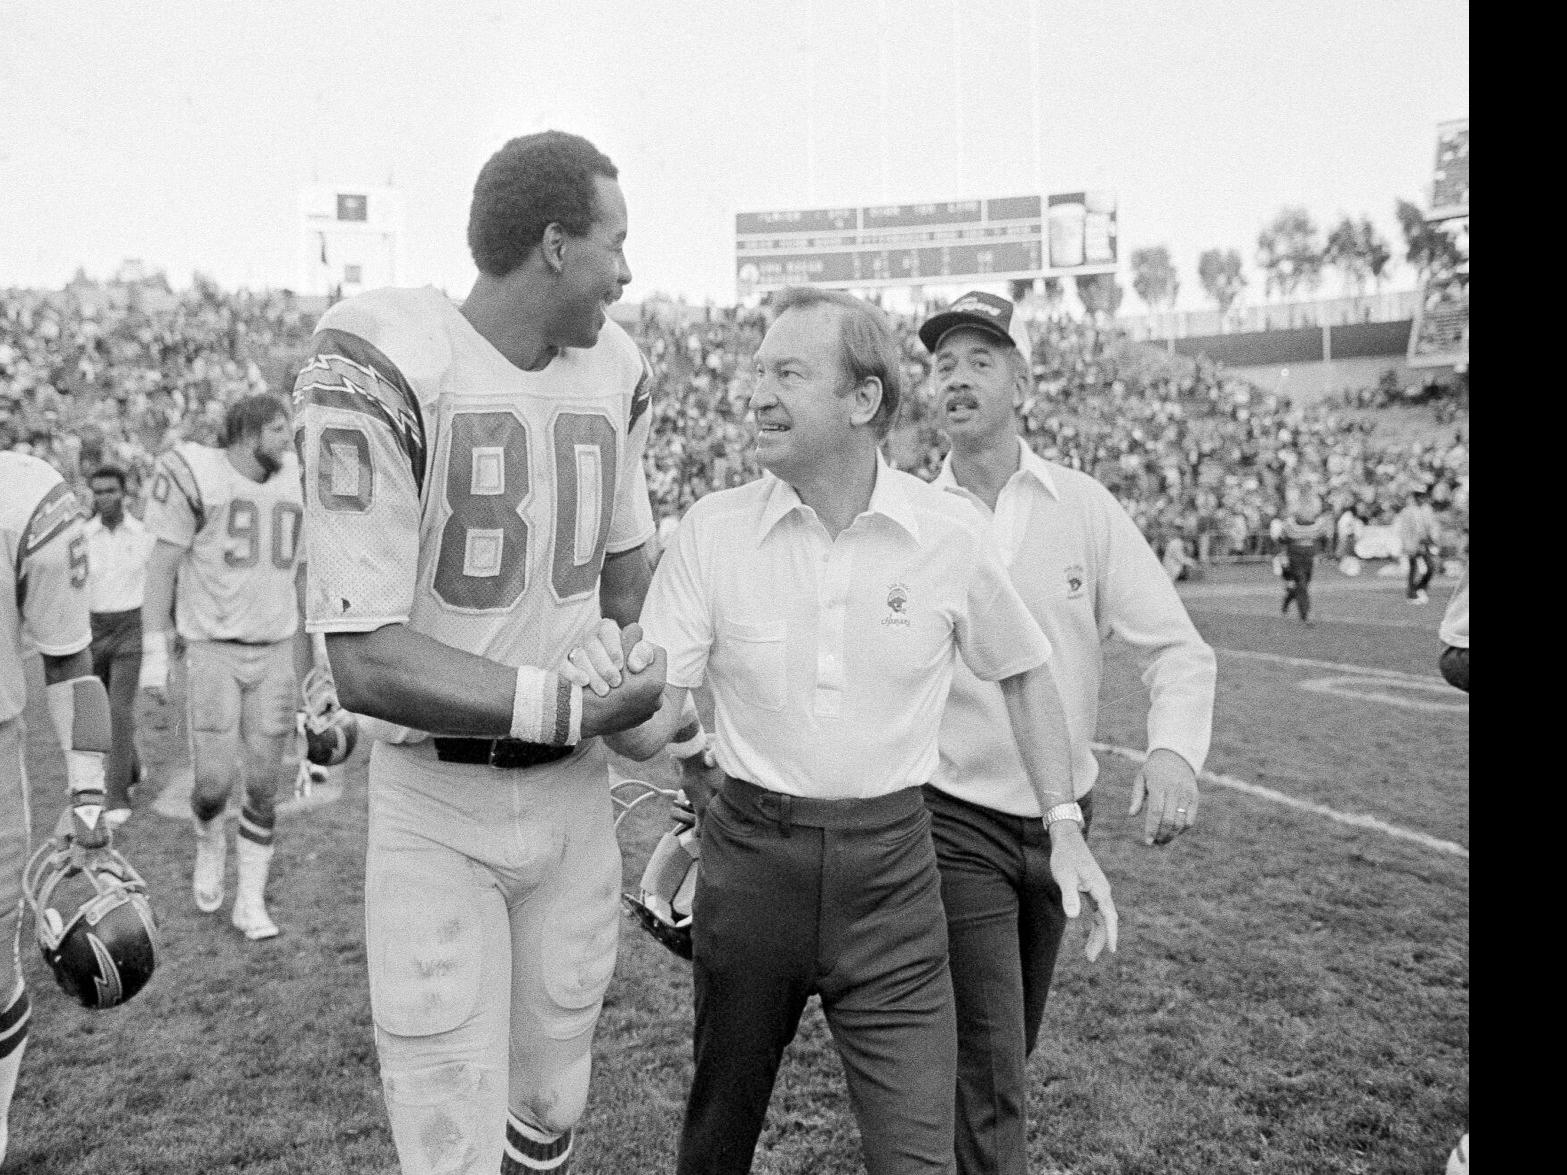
{"x":44,"y":596}
{"x":475,"y":507}
{"x":228,"y":523}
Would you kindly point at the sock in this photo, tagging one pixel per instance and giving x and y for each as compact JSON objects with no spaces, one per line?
{"x":255,"y":826}
{"x":529,"y":1149}
{"x":13,"y":1043}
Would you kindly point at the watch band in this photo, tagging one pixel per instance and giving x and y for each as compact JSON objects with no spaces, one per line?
{"x":1070,"y":811}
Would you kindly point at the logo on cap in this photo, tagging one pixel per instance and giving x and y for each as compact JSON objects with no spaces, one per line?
{"x":972,"y":303}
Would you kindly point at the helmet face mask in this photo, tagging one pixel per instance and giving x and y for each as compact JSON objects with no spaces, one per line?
{"x":329,"y":731}
{"x":663,"y":903}
{"x":105,"y":951}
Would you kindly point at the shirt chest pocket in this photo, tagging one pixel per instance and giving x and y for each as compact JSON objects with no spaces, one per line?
{"x":759,"y":666}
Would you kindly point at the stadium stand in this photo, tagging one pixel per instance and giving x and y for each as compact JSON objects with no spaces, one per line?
{"x":120,"y":371}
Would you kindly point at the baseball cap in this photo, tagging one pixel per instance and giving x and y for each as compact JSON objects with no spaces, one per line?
{"x":991,"y":313}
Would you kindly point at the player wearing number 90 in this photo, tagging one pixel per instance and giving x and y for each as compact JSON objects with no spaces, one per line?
{"x":474,"y":504}
{"x":228,"y":525}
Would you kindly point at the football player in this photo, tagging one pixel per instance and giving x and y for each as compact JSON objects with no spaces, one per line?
{"x":228,"y":523}
{"x":475,"y":506}
{"x":1299,"y":534}
{"x":45,"y":597}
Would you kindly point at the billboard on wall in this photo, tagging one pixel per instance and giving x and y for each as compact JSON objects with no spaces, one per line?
{"x":922,"y":244}
{"x":1440,"y":334}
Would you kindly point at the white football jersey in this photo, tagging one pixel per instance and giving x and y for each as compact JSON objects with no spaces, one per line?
{"x":447,"y":489}
{"x":42,"y":543}
{"x":242,"y":543}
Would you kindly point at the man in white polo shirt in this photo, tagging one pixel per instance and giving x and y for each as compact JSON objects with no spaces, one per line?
{"x":118,"y":547}
{"x":1086,"y":573}
{"x":826,"y":605}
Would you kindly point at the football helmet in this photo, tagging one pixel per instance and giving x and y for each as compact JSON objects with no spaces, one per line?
{"x":104,"y":951}
{"x":329,"y":731}
{"x":662,"y":903}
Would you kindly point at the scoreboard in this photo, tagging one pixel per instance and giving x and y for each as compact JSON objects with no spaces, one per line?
{"x":349,"y":239}
{"x":1450,"y":177}
{"x":916,"y":244}
{"x":1440,"y":334}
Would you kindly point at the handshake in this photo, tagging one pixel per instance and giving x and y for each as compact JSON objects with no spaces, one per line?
{"x":621,"y":675}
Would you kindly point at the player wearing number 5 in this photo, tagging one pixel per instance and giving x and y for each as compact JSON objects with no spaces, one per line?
{"x":228,"y":525}
{"x":475,"y":504}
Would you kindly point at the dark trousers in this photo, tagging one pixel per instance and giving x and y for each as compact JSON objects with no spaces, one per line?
{"x":116,"y":661}
{"x":1455,"y":666}
{"x":1004,"y":929}
{"x":1297,"y":581}
{"x":839,"y":899}
{"x":1421,"y":566}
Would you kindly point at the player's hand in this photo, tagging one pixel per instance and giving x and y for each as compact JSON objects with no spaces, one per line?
{"x":1167,"y":788}
{"x":154,"y":681}
{"x":700,"y":779}
{"x":636,"y":699}
{"x":82,"y":822}
{"x":638,"y":650}
{"x":596,"y":663}
{"x":1077,"y":873}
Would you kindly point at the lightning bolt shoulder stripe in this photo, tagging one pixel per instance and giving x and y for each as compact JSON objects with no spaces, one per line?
{"x":55,"y":512}
{"x":643,"y":395}
{"x":349,"y":373}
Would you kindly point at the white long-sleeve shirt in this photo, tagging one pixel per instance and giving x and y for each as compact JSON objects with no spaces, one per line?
{"x":1086,"y":573}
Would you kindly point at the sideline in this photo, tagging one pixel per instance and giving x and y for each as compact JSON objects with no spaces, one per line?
{"x":1353,"y":819}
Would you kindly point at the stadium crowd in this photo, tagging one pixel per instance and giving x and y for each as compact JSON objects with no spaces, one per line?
{"x":120,"y":371}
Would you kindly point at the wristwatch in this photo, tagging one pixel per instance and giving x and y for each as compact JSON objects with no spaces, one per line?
{"x":1064,"y":812}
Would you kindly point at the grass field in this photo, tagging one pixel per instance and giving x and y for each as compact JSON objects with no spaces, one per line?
{"x":1291,"y":993}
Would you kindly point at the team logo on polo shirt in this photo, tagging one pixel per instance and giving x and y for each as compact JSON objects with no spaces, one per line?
{"x":1075,"y":579}
{"x":897,"y":605}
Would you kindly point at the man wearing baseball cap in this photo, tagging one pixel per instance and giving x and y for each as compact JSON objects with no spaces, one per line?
{"x":1085,"y":572}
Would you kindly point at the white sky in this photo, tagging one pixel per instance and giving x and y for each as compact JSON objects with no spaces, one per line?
{"x":180,"y":131}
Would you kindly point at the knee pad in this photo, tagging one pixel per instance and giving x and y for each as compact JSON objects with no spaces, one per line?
{"x":555,"y":1105}
{"x":208,"y":803}
{"x":583,"y":931}
{"x":213,"y":768}
{"x":445,"y":1117}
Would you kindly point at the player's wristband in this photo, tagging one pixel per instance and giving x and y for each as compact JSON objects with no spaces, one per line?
{"x":690,"y":739}
{"x":154,"y":660}
{"x":546,"y":708}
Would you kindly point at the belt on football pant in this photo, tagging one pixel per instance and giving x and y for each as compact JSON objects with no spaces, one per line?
{"x":503,"y":753}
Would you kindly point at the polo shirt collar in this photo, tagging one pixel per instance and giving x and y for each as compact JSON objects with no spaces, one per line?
{"x":1029,"y":463}
{"x":889,"y":498}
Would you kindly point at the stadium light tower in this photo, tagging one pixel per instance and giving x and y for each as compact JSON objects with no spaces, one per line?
{"x":959,"y":162}
{"x":881,"y":69}
{"x":1034,"y":115}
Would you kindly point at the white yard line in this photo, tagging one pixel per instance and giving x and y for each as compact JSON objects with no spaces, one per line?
{"x":1353,"y":819}
{"x":1386,"y":690}
{"x":1336,"y":666}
